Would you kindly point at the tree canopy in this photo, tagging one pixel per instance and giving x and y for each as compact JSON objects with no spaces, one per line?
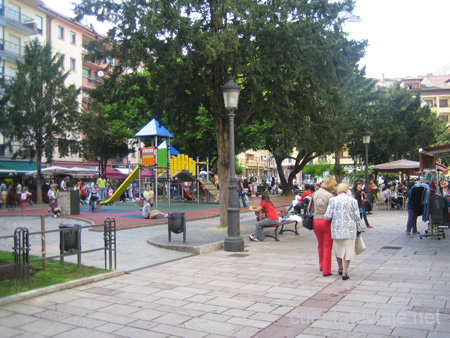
{"x":400,"y":126}
{"x":283,"y":53}
{"x":38,"y":110}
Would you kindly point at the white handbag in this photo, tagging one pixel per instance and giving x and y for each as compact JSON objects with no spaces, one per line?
{"x":360,"y":247}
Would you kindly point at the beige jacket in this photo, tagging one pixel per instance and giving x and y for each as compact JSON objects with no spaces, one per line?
{"x":321,"y":198}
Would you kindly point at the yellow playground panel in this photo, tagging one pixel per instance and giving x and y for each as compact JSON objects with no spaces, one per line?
{"x":182,"y":162}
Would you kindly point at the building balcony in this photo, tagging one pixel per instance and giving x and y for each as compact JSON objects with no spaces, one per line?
{"x":444,"y":110}
{"x":10,"y":51}
{"x":18,"y":21}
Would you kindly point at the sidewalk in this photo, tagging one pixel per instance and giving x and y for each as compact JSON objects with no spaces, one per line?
{"x":398,"y":287}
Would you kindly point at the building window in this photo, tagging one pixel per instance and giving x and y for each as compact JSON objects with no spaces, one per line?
{"x":73,"y":38}
{"x":73,"y":64}
{"x":444,"y":117}
{"x":86,"y":72}
{"x":39,"y":23}
{"x":443,"y":103}
{"x":60,"y":32}
{"x":429,"y":103}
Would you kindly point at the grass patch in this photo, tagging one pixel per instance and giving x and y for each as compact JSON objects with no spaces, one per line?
{"x":54,"y":274}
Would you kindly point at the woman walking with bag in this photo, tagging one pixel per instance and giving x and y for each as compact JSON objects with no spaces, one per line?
{"x":321,"y":225}
{"x":345,"y":227}
{"x":271,"y":217}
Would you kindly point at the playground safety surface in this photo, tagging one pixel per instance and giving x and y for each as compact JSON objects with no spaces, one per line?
{"x":128,"y":215}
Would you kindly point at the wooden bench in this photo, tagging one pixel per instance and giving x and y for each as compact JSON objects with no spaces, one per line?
{"x":282,"y":213}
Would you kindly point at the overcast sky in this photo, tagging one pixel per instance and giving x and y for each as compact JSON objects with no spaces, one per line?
{"x":406,"y":37}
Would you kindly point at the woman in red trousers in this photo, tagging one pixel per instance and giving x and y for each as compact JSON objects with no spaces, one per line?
{"x":322,"y":226}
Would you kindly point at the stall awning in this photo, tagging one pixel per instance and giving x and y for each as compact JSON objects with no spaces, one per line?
{"x":16,"y":167}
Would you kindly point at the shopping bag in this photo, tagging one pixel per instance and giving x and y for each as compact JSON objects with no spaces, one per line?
{"x":360,"y":247}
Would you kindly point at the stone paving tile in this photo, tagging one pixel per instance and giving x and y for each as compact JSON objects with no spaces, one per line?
{"x":109,"y":327}
{"x":135,"y":332}
{"x":239,"y":313}
{"x":16,"y":320}
{"x":325,"y":332}
{"x":373,"y":329}
{"x":246,"y":332}
{"x":178,"y":331}
{"x":47,"y":328}
{"x":88,"y":303}
{"x":8,"y":332}
{"x":205,"y":307}
{"x":143,"y":324}
{"x":83,"y":332}
{"x":227,"y":328}
{"x":23,"y":308}
{"x":88,"y":323}
{"x":249,"y":322}
{"x":231,"y":303}
{"x":410,"y":333}
{"x":216,"y":317}
{"x":110,"y":317}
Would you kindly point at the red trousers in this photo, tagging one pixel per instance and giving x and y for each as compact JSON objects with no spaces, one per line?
{"x":322,"y":229}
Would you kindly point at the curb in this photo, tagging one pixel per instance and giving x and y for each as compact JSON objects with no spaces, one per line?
{"x":206,"y":248}
{"x":58,"y":287}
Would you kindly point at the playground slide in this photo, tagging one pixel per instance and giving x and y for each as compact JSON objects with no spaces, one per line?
{"x":122,"y":187}
{"x":186,"y":195}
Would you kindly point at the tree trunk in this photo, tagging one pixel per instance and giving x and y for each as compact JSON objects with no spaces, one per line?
{"x":223,"y":167}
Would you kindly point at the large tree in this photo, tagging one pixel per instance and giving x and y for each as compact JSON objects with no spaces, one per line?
{"x":118,"y":108}
{"x":190,"y":47}
{"x":400,"y":126}
{"x":39,"y":110}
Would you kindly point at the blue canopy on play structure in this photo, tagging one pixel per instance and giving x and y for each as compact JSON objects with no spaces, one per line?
{"x":153,"y":128}
{"x":173,"y":151}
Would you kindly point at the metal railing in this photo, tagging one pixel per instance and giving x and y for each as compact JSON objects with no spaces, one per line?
{"x":11,"y":47}
{"x":14,"y":15}
{"x":70,"y":245}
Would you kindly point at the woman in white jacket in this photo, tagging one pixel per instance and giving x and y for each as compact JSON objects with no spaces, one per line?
{"x":345,"y":227}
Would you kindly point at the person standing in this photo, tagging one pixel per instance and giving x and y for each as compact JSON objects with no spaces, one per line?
{"x":101,"y":185}
{"x":345,"y":227}
{"x":321,"y":225}
{"x":93,"y":198}
{"x":359,"y":195}
{"x":271,"y":217}
{"x":12,"y":195}
{"x":240,"y":189}
{"x":24,"y":198}
{"x":414,"y":207}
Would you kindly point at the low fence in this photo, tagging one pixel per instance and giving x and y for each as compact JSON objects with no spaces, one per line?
{"x":70,"y":239}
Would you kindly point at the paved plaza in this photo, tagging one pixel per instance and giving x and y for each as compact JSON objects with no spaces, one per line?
{"x":398,"y":287}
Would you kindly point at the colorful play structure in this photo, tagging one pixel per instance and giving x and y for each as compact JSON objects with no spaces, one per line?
{"x":177,"y":172}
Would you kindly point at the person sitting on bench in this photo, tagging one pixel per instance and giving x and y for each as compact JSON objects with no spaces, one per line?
{"x":271,"y":217}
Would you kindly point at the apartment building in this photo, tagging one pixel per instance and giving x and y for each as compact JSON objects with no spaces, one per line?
{"x":434,"y":91}
{"x":20,"y":21}
{"x":24,"y":20}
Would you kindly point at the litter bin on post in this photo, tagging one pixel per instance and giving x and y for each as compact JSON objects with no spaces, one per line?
{"x":69,"y":240}
{"x":177,"y":224}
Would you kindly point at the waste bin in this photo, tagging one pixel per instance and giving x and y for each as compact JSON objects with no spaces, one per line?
{"x":177,"y":224}
{"x":69,"y":239}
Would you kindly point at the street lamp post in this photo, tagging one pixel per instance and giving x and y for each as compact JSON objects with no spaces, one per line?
{"x":366,"y":141}
{"x":233,"y":242}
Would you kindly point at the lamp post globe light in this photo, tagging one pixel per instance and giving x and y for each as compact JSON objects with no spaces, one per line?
{"x":233,"y":242}
{"x":366,"y":141}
